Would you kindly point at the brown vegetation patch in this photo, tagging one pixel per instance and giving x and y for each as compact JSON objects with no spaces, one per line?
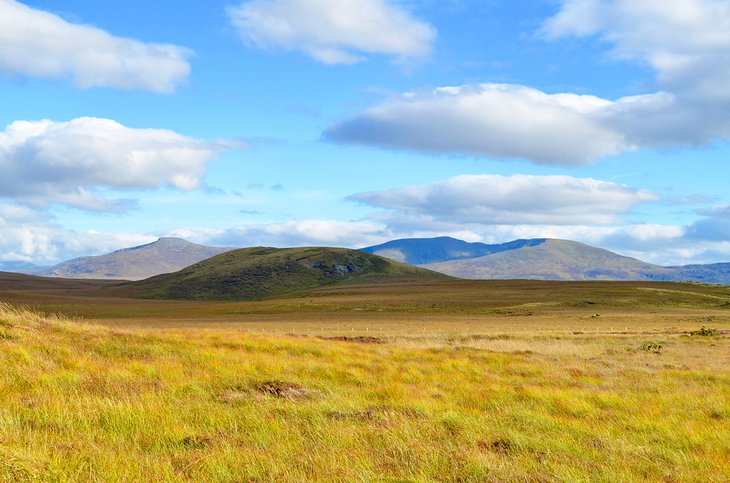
{"x":195,"y":442}
{"x":361,"y":339}
{"x":501,"y":446}
{"x":5,"y":333}
{"x":234,"y":396}
{"x":477,"y":337}
{"x":379,"y":413}
{"x":65,"y":448}
{"x":284,"y":390}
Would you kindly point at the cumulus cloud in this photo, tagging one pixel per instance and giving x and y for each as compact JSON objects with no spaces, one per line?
{"x":501,"y":121}
{"x":46,"y":162}
{"x":11,"y":213}
{"x":687,"y":42}
{"x":507,"y":200}
{"x":39,"y":44}
{"x":513,"y":121}
{"x":333,"y":31}
{"x":693,"y":66}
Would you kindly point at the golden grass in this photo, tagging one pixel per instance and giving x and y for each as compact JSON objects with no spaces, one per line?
{"x":80,"y":402}
{"x":403,"y":309}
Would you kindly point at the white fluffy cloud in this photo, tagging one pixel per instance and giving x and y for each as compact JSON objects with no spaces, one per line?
{"x":46,"y":162}
{"x":39,"y":44}
{"x":687,"y":43}
{"x":333,"y":31}
{"x":507,"y":200}
{"x":500,"y":121}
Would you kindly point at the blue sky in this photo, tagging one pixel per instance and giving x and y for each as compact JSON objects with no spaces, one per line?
{"x":352,"y":122}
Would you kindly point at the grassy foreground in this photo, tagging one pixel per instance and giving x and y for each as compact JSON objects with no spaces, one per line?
{"x":81,"y":402}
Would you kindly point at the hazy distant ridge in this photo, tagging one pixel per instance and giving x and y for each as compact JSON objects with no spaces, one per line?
{"x":166,"y":255}
{"x":539,"y":259}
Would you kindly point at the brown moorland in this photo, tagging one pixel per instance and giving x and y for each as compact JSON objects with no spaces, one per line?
{"x":444,"y":381}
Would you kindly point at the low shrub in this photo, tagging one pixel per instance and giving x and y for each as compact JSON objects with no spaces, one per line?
{"x":705,"y":332}
{"x":651,"y":347}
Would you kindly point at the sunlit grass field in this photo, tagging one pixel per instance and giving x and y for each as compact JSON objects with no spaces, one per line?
{"x":584,"y":401}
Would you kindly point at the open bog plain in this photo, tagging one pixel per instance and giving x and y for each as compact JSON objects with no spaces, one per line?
{"x":438,"y":381}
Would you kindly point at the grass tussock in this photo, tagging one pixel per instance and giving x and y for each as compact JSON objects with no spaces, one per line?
{"x":705,"y":332}
{"x":79,"y":403}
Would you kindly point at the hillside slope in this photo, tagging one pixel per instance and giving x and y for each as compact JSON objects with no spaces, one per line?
{"x":711,"y":273}
{"x":260,"y":273}
{"x":166,"y":255}
{"x":553,"y":260}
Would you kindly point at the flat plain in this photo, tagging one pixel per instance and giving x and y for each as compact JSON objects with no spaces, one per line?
{"x":438,"y":381}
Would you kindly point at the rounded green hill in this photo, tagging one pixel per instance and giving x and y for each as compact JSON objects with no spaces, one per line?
{"x":260,"y":273}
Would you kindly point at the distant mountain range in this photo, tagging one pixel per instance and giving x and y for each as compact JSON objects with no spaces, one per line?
{"x":538,"y":259}
{"x":166,"y":255}
{"x":541,"y":259}
{"x":261,"y":273}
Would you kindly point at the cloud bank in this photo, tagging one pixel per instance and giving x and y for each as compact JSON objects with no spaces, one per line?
{"x":508,"y":200}
{"x":514,"y":121}
{"x":30,"y":236}
{"x":303,"y":233}
{"x":333,"y":31}
{"x":45,"y":162}
{"x":39,"y":44}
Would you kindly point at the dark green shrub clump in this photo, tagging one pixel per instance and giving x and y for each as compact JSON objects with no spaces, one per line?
{"x":705,"y":332}
{"x":651,"y":347}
